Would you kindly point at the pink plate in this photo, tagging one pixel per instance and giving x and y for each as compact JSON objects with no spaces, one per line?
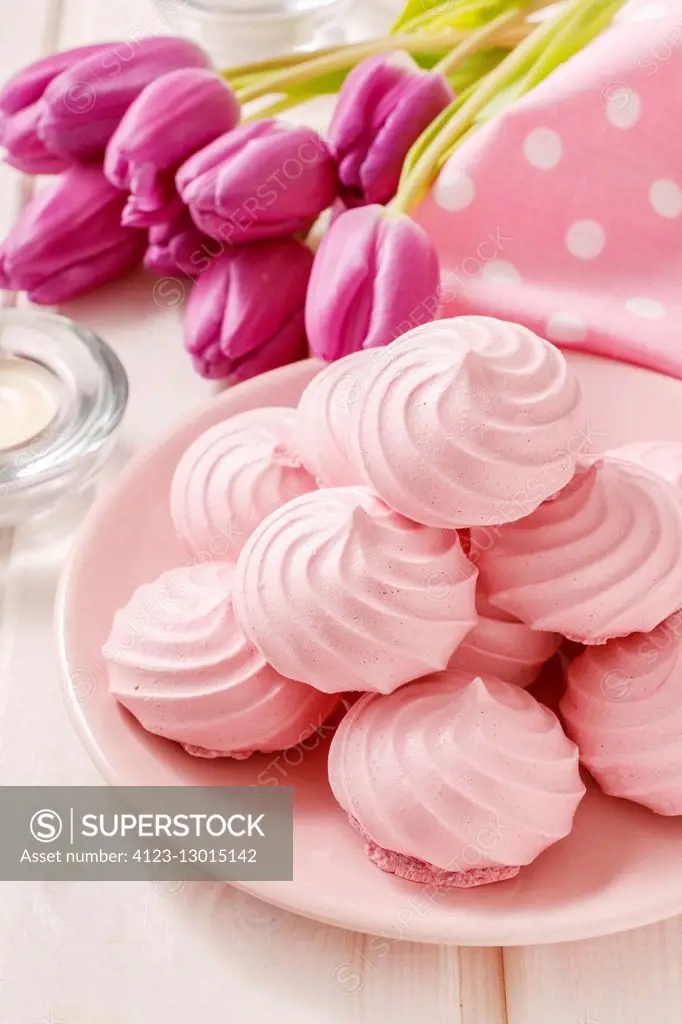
{"x":619,"y":868}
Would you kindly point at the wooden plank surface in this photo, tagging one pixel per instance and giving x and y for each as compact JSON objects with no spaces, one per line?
{"x":122,"y":953}
{"x":634,"y":978}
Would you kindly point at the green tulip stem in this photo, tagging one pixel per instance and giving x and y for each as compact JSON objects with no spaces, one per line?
{"x":289,"y":60}
{"x":518,"y":63}
{"x":476,"y":41}
{"x":345,"y":57}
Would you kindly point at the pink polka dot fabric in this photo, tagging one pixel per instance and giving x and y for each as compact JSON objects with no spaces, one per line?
{"x":565,"y":212}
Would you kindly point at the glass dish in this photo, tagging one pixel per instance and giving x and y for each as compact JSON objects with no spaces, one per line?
{"x":241,"y":31}
{"x":91,"y":389}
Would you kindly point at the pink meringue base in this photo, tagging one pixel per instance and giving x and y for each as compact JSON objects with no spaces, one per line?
{"x":593,"y":641}
{"x":238,"y":755}
{"x":412,"y":869}
{"x":415,"y":870}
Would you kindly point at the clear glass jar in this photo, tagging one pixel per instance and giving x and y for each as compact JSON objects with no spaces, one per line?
{"x":241,"y":31}
{"x":90,"y":390}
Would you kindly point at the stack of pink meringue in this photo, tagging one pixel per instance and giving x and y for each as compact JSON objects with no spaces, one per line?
{"x":426,"y":527}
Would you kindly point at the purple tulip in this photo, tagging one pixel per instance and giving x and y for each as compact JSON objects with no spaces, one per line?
{"x":69,"y":239}
{"x":29,"y":84}
{"x":245,"y":314}
{"x":265,"y":179}
{"x":169,"y":121}
{"x":178,"y":245}
{"x":20,"y":109}
{"x":384,"y":105}
{"x":82,"y":107}
{"x":375,"y":276}
{"x":24,"y":149}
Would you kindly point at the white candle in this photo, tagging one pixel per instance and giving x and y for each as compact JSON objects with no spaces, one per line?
{"x":28,"y":400}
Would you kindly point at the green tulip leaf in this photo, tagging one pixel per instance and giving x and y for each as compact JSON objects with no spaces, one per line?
{"x":463,"y":14}
{"x":413,"y":11}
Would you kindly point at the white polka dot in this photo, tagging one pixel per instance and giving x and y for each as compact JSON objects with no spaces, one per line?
{"x":454,"y":190}
{"x":585,"y":239}
{"x":501,"y":271}
{"x":542,"y":148}
{"x":665,"y":196}
{"x":647,"y":308}
{"x":566,"y":327}
{"x":636,"y":12}
{"x":622,"y":104}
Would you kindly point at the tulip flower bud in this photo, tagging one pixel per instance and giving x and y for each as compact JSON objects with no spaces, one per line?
{"x":20,"y":109}
{"x":178,"y":245}
{"x":375,"y":276}
{"x":81,"y":107}
{"x":29,"y":84}
{"x":24,"y":149}
{"x":69,"y":239}
{"x":245,"y":314}
{"x":169,"y":121}
{"x":264,"y":179}
{"x":384,"y":105}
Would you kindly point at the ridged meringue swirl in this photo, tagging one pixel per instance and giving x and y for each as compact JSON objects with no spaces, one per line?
{"x":234,"y":475}
{"x":500,"y":645}
{"x":465,"y":422}
{"x":339,"y":591}
{"x":661,"y":457}
{"x":623,"y":708}
{"x":601,"y":559}
{"x":322,"y":420}
{"x":461,"y":773}
{"x":179,"y":662}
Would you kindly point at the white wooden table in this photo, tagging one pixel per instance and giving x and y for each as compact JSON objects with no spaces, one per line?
{"x":123,"y":953}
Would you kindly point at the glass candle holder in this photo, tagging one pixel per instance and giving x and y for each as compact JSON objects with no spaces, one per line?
{"x":241,"y":31}
{"x":63,"y":393}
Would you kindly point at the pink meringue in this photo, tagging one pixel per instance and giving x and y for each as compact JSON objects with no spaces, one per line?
{"x":623,"y":707}
{"x":603,"y":558}
{"x":500,"y":645}
{"x":232,"y":477}
{"x":661,"y":457}
{"x":466,"y":422}
{"x":457,"y":781}
{"x":322,"y":419}
{"x":180,"y":664}
{"x":337,"y":590}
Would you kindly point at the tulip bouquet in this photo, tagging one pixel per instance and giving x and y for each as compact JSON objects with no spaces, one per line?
{"x":162,"y":160}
